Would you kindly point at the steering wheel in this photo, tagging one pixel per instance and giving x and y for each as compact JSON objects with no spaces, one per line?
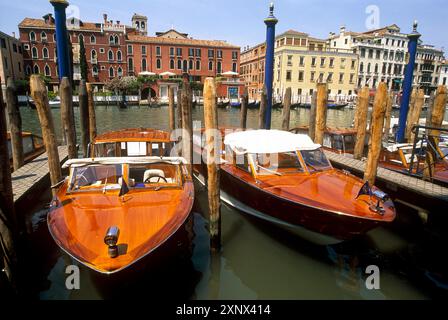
{"x":158,"y":180}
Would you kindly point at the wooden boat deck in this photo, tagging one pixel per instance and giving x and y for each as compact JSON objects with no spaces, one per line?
{"x":33,"y":175}
{"x":416,"y":191}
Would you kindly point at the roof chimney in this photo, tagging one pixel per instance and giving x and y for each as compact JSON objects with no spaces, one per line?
{"x":105,"y":18}
{"x":14,"y":34}
{"x":118,"y":22}
{"x":342,"y":30}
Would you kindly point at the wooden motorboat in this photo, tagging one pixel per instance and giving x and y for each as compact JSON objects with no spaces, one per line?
{"x":33,"y":146}
{"x":132,"y":142}
{"x":286,"y":179}
{"x":338,"y":140}
{"x":330,"y":105}
{"x":223,"y":104}
{"x":110,"y":213}
{"x":253,"y":105}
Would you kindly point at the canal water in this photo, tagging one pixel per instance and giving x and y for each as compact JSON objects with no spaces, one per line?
{"x":258,"y":261}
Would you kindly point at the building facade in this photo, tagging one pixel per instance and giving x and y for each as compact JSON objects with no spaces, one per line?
{"x":443,"y":79}
{"x":300,"y":62}
{"x":428,"y":68}
{"x":382,"y":54}
{"x":11,"y":59}
{"x":114,"y":50}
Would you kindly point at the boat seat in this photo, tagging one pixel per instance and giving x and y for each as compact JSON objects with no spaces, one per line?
{"x":153,"y":175}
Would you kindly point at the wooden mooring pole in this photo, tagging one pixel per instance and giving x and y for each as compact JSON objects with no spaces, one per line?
{"x":67,"y":117}
{"x":286,"y":109}
{"x":437,"y":116}
{"x":84,"y":117}
{"x":40,"y":97}
{"x":388,"y":117}
{"x":7,"y":215}
{"x":92,"y":115}
{"x":15,"y":125}
{"x":171,"y":115}
{"x":321,"y":112}
{"x":414,"y":113}
{"x":213,"y":156}
{"x":376,"y":133}
{"x":243,"y":114}
{"x":361,"y":122}
{"x":187,"y":122}
{"x":312,"y":119}
{"x":179,"y":108}
{"x":262,"y":111}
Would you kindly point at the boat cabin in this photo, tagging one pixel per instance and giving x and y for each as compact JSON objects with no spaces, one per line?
{"x":138,"y":142}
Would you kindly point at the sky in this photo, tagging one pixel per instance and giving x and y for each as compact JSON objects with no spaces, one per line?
{"x":240,"y":22}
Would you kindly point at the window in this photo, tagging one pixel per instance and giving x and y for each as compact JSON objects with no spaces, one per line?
{"x":143,"y":64}
{"x":28,"y":70}
{"x":179,"y":52}
{"x":301,"y":61}
{"x":300,"y":76}
{"x":219,"y":67}
{"x":93,"y":56}
{"x":36,"y":69}
{"x":14,"y":46}
{"x":143,"y":49}
{"x":172,"y":64}
{"x":315,"y":160}
{"x":234,"y":67}
{"x":158,"y":64}
{"x":376,"y":68}
{"x":94,"y":71}
{"x":171,"y":52}
{"x":116,"y":40}
{"x":341,"y":78}
{"x":190,"y":65}
{"x":378,"y":54}
{"x":185,"y":66}
{"x":346,"y":41}
{"x":102,"y":50}
{"x":198,"y":64}
{"x":130,"y":64}
{"x":120,"y":72}
{"x":321,"y":77}
{"x":45,"y":53}
{"x":80,"y":37}
{"x":47,"y":71}
{"x":312,"y":76}
{"x":211,"y":53}
{"x":32,"y":36}
{"x":330,"y":77}
{"x":179,"y":64}
{"x":363,"y":53}
{"x":158,"y":51}
{"x":210,"y":65}
{"x":111,"y":39}
{"x":288,"y":75}
{"x":119,"y":57}
{"x":111,"y":72}
{"x":110,"y":54}
{"x":370,"y":53}
{"x":322,"y":62}
{"x":353,"y":64}
{"x":219,"y":53}
{"x":313,"y":61}
{"x":198,"y":52}
{"x":332,"y":63}
{"x":368,"y":68}
{"x":34,"y":53}
{"x":352,"y":76}
{"x":92,"y":39}
{"x":190,"y":52}
{"x":234,"y":55}
{"x":130,"y":51}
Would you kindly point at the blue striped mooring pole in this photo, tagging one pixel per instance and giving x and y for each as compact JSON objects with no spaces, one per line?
{"x":270,"y":22}
{"x":61,"y":38}
{"x":407,"y":83}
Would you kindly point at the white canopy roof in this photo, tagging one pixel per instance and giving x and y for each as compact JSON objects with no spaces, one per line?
{"x":167,"y":73}
{"x":268,"y":141}
{"x":146,"y":73}
{"x":230,"y":73}
{"x":121,"y":160}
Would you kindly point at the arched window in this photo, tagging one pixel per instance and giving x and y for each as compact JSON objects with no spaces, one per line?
{"x":210,"y":65}
{"x":198,"y":64}
{"x":158,"y":64}
{"x":376,"y":68}
{"x":179,"y":64}
{"x":368,"y":67}
{"x":47,"y":70}
{"x":143,"y":64}
{"x":130,"y":64}
{"x":190,"y":65}
{"x":137,"y":24}
{"x":119,"y":72}
{"x":28,"y":70}
{"x":32,"y":36}
{"x":34,"y":53}
{"x":111,"y":39}
{"x":93,"y":55}
{"x":219,"y":67}
{"x":143,"y":25}
{"x":110,"y":55}
{"x":45,"y":53}
{"x":92,"y":39}
{"x":36,"y":69}
{"x":119,"y":55}
{"x":117,"y":40}
{"x":185,"y":66}
{"x":111,"y":72}
{"x":361,"y":67}
{"x":171,"y":64}
{"x":95,"y":71}
{"x":43,"y":36}
{"x":80,"y":37}
{"x":234,"y":67}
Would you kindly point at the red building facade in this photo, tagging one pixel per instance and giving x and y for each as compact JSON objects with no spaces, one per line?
{"x":114,"y":50}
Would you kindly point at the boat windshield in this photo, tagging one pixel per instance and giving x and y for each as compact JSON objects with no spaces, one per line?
{"x":154,"y":174}
{"x":315,"y":160}
{"x":96,"y":177}
{"x":277,"y":163}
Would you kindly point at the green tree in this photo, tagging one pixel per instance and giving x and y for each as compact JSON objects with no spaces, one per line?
{"x":82,"y":59}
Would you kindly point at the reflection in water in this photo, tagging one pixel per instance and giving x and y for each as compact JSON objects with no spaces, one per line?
{"x":258,"y":261}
